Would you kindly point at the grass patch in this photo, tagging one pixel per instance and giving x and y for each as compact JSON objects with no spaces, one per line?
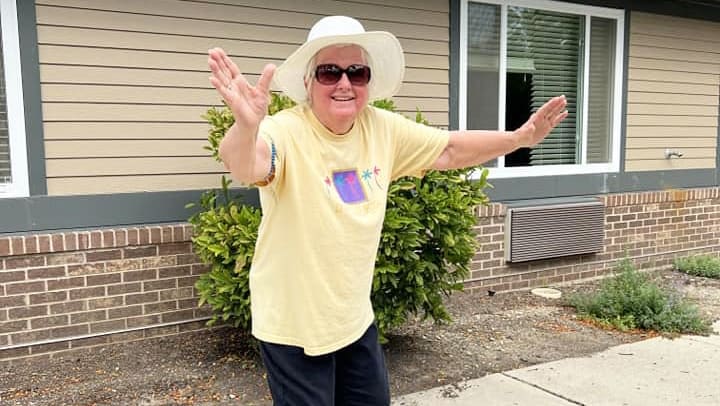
{"x":630,"y":300}
{"x":707,"y":266}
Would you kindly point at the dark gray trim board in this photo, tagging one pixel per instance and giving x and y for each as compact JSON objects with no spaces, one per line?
{"x":597,"y":184}
{"x":697,"y":9}
{"x":46,"y":213}
{"x":454,"y":88}
{"x":32,"y":101}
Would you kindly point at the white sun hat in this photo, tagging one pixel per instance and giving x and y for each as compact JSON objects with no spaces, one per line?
{"x":385,"y":57}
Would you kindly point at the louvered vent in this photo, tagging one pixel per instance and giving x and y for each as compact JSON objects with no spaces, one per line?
{"x":550,"y":231}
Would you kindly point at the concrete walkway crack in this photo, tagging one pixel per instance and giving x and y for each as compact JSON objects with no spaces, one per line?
{"x":544,"y":390}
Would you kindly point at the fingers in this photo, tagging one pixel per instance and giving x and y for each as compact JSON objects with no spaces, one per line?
{"x":228,"y":79}
{"x":557,"y":105}
{"x":559,"y":118}
{"x":551,"y":113}
{"x":541,"y":122}
{"x":218,"y":62}
{"x":220,"y":83}
{"x":236,"y":79}
{"x":222,"y":88}
{"x":232,"y":68}
{"x":216,"y":71}
{"x":219,"y":79}
{"x":263,"y":84}
{"x":552,"y":107}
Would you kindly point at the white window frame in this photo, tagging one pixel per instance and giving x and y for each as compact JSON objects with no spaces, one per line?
{"x":19,"y":186}
{"x":588,"y":12}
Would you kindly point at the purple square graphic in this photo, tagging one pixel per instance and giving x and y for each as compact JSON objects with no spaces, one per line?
{"x":347,"y":184}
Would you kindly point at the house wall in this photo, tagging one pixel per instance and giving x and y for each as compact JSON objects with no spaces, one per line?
{"x":70,"y":290}
{"x":124,"y":83}
{"x":673,"y":92}
{"x":67,"y":291}
{"x":650,"y":228}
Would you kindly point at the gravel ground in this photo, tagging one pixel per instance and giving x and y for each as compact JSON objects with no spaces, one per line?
{"x":219,"y":367}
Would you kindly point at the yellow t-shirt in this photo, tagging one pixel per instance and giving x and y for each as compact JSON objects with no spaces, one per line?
{"x":312,"y":270}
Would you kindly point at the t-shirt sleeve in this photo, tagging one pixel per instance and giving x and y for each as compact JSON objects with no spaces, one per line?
{"x":417,"y":146}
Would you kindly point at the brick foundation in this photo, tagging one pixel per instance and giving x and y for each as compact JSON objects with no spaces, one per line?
{"x":651,"y":228}
{"x":63,"y":291}
{"x":66,"y":291}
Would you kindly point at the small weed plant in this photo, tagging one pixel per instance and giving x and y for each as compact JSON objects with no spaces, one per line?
{"x":630,"y":300}
{"x":706,"y":266}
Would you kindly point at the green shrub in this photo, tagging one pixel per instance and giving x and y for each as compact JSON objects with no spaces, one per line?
{"x":426,"y":243}
{"x":630,"y":300}
{"x":224,"y":236}
{"x":701,"y":265}
{"x":425,"y":246}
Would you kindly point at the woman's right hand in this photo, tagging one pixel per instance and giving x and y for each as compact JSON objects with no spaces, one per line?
{"x":248,"y":103}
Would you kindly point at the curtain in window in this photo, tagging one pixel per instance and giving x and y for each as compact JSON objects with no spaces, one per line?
{"x":4,"y":134}
{"x":546,"y":47}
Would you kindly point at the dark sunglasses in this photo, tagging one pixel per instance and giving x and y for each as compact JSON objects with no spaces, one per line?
{"x":329,"y":74}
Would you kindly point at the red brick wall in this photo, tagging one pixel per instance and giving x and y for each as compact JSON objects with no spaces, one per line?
{"x":69,"y":290}
{"x":65,"y":291}
{"x":651,"y":228}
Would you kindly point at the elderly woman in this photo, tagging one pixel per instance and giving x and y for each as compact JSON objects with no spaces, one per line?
{"x":323,"y":169}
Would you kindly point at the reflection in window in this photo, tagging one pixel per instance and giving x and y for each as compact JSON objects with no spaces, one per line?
{"x":600,"y":95}
{"x":483,"y":68}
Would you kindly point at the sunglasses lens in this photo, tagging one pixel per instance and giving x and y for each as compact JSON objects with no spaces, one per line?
{"x":358,"y":75}
{"x":328,"y":74}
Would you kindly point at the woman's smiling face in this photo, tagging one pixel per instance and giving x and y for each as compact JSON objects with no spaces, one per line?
{"x":337,"y":105}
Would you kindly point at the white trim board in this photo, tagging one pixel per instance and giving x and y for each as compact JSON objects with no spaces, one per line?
{"x":19,"y":186}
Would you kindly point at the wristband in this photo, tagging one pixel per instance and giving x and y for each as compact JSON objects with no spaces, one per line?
{"x":271,"y":174}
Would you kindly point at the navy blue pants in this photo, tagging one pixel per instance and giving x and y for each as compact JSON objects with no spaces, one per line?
{"x":354,"y":375}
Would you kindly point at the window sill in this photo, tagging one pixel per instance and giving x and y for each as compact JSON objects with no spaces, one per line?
{"x":551,"y":170}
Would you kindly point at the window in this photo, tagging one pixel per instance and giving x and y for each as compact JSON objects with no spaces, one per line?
{"x":515,"y":55}
{"x":13,"y":156}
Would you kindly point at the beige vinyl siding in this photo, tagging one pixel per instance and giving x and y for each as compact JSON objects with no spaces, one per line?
{"x":673,"y":92}
{"x":124,"y":82}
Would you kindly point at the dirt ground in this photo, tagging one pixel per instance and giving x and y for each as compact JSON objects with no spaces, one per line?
{"x":489,"y":334}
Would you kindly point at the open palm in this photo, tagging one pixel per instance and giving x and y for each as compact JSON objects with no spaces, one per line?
{"x":248,"y":103}
{"x":540,"y":123}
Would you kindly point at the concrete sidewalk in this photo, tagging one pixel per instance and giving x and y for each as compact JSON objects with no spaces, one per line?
{"x":654,"y":372}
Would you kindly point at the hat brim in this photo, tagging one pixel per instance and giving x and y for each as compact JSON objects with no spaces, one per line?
{"x":386,"y":61}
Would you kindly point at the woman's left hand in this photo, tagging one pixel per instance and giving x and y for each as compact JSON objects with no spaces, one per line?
{"x":542,"y":122}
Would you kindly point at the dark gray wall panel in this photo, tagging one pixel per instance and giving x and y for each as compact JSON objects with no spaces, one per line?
{"x":45,"y":213}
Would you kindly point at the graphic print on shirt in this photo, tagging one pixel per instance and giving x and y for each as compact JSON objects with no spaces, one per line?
{"x":374,"y":174}
{"x":347,"y":183}
{"x":366,"y":175}
{"x":354,"y":185}
{"x":328,"y":185}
